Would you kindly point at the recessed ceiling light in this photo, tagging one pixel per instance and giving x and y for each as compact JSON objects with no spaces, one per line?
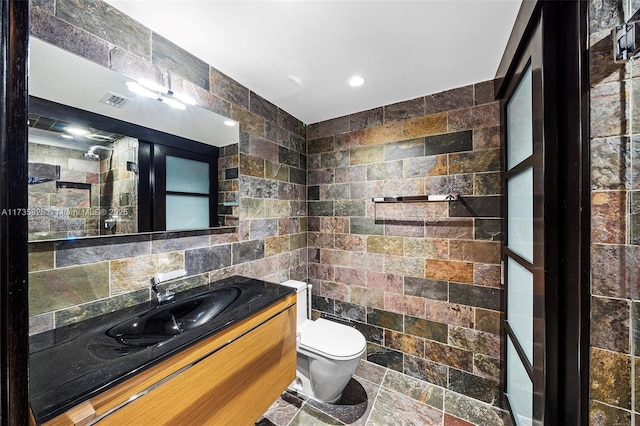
{"x":356,"y":81}
{"x":229,"y":123}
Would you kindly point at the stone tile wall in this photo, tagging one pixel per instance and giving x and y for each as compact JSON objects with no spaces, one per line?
{"x":73,"y":280}
{"x":63,"y":212}
{"x":119,"y":189}
{"x":420,"y":280}
{"x":615,"y":231}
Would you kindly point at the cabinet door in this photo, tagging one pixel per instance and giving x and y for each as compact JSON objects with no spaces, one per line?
{"x":235,"y":385}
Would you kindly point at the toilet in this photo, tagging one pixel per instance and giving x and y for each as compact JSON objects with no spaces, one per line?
{"x":328,"y":352}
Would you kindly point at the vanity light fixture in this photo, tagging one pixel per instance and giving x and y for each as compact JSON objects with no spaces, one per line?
{"x":173,"y":103}
{"x":356,"y":81}
{"x":76,"y":131}
{"x":151,"y":89}
{"x":142,"y":91}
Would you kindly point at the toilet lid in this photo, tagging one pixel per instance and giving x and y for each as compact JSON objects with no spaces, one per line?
{"x":332,"y":339}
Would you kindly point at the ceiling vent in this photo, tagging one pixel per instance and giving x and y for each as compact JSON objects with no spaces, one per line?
{"x":114,"y":100}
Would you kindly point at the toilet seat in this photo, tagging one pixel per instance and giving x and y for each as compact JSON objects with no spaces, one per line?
{"x":332,"y":340}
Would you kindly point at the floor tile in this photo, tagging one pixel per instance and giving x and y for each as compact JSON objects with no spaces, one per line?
{"x":394,"y":409}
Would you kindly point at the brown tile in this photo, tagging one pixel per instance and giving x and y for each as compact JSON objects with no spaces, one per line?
{"x":383,"y":134}
{"x":613,"y":270}
{"x":404,"y":343}
{"x":251,"y":166}
{"x":350,"y":276}
{"x":350,"y":140}
{"x":487,"y":115}
{"x":461,"y":97}
{"x":610,"y":163}
{"x":475,"y":251}
{"x":449,"y":313}
{"x":472,"y":410}
{"x":450,"y":228}
{"x":608,"y":217}
{"x":228,"y":89}
{"x":486,"y":137}
{"x":350,"y":242}
{"x":408,"y":305}
{"x":404,"y":409}
{"x":425,"y":126}
{"x":334,"y":126}
{"x":262,"y":148}
{"x":610,"y":324}
{"x":366,"y":155}
{"x":426,"y":329}
{"x":486,"y":366}
{"x":108,"y":23}
{"x":365,"y":119}
{"x":487,"y":320}
{"x":461,"y":272}
{"x":320,"y":145}
{"x":418,"y":390}
{"x":483,"y":92}
{"x":608,"y":116}
{"x":385,"y":245}
{"x":606,"y":415}
{"x":336,"y":225}
{"x":486,"y":275}
{"x":475,"y":162}
{"x":404,"y":110}
{"x":386,"y":282}
{"x":448,"y":355}
{"x":428,"y":248}
{"x":475,"y":341}
{"x":276,"y":245}
{"x":450,"y":420}
{"x":249,"y":122}
{"x":409,"y":266}
{"x":367,"y":297}
{"x":611,"y":378}
{"x":487,"y":183}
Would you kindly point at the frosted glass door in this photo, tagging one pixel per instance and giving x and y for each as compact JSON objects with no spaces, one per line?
{"x":520,"y":248}
{"x":187,"y":194}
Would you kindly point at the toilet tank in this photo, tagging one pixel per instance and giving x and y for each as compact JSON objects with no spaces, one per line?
{"x":302,"y":299}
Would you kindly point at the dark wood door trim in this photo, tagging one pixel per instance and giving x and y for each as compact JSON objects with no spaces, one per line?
{"x":14,"y":350}
{"x":567,"y":198}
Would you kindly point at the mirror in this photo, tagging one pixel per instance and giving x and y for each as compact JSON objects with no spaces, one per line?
{"x":86,"y":185}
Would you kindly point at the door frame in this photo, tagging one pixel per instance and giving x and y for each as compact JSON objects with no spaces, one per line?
{"x":567,"y":199}
{"x":14,"y":321}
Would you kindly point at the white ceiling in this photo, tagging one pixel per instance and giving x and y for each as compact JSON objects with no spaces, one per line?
{"x":299,"y":54}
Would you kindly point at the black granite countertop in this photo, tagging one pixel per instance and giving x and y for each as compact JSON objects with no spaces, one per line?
{"x":74,"y":363}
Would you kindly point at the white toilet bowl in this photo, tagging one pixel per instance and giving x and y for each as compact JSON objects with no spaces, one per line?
{"x":328,"y":352}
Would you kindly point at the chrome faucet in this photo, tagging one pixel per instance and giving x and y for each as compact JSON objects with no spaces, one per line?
{"x":168,"y":295}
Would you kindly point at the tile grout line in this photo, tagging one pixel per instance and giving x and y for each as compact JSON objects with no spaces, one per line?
{"x":366,"y":422}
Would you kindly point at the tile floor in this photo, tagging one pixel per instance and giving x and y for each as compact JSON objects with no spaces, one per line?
{"x":381,"y":396}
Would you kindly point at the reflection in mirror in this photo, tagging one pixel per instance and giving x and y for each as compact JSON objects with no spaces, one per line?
{"x":91,"y":185}
{"x":82,"y":181}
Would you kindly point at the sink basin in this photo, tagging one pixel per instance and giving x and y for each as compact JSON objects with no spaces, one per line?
{"x":172,"y":319}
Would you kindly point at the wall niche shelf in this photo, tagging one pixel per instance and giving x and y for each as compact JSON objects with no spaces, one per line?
{"x":417,"y":198}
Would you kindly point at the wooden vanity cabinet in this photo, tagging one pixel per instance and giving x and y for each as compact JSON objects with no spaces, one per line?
{"x":230,"y":378}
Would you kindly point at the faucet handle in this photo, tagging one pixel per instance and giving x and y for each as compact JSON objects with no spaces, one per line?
{"x":168,"y":296}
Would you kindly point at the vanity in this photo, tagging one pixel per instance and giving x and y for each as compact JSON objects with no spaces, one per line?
{"x":217,"y":354}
